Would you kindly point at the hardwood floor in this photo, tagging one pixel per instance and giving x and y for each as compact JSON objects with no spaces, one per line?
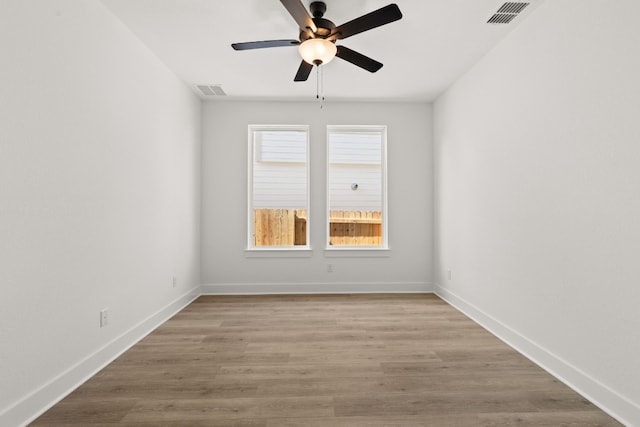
{"x":322,"y":361}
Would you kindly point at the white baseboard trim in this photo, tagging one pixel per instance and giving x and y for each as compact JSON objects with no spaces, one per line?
{"x":613,"y":403}
{"x":315,"y":288}
{"x":40,"y":400}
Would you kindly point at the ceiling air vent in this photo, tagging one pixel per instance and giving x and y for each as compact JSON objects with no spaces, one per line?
{"x":211,"y":90}
{"x":507,"y":12}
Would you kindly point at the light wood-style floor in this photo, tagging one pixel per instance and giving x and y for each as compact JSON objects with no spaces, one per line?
{"x":322,"y":360}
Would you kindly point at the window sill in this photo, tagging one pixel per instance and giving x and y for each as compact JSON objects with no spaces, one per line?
{"x":278,"y":252}
{"x":356,"y":252}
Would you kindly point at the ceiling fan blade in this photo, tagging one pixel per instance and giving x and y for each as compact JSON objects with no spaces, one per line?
{"x":300,"y":14}
{"x":358,"y":59}
{"x":366,"y":22}
{"x":303,"y":72}
{"x":263,"y":44}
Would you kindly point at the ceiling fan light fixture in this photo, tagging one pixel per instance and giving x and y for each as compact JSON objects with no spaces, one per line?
{"x":317,"y":51}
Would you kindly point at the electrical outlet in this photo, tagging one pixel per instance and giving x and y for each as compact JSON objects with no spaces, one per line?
{"x":449,"y":274}
{"x":329,"y":268}
{"x":175,"y":281}
{"x":104,"y":317}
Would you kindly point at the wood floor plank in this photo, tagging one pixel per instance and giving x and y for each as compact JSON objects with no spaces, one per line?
{"x":334,"y":370}
{"x":167,"y":411}
{"x":451,"y":420}
{"x":548,"y":419}
{"x":322,"y":361}
{"x":87,"y":410}
{"x":208,"y":422}
{"x":192,"y":388}
{"x":434,"y":403}
{"x":355,"y":357}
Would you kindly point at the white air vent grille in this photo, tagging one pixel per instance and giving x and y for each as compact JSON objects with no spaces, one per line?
{"x":507,"y":12}
{"x":512,"y":7}
{"x":211,"y":90}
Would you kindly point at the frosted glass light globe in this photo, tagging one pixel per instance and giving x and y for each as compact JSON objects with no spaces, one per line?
{"x":317,"y":51}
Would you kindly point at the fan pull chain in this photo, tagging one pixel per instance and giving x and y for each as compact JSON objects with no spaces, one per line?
{"x":320,"y":85}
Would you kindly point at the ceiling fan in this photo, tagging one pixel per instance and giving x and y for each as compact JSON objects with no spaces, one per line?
{"x":318,"y":35}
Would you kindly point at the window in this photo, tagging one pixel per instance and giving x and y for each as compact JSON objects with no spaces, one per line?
{"x":278,"y":187}
{"x":356,"y":187}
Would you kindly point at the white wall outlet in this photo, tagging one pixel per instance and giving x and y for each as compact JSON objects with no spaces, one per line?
{"x":449,"y":274}
{"x":104,"y":317}
{"x":175,"y":281}
{"x":329,"y":268}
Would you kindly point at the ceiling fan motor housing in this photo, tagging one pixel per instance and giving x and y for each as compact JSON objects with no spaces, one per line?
{"x":324,"y":26}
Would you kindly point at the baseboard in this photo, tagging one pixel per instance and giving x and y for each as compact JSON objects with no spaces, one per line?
{"x":40,"y":400}
{"x":315,"y":288}
{"x":611,"y":402}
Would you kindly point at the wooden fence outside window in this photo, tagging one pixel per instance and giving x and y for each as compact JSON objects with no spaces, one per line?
{"x":288,"y":227}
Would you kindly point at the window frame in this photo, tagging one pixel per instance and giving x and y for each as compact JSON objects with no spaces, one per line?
{"x":260,"y":251}
{"x":362,"y":250}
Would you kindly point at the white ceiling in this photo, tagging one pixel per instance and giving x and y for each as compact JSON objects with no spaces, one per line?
{"x":434,"y":43}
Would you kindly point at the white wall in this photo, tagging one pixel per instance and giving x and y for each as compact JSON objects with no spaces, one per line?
{"x":537,"y":183}
{"x":225,"y":266}
{"x":99,"y":196}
